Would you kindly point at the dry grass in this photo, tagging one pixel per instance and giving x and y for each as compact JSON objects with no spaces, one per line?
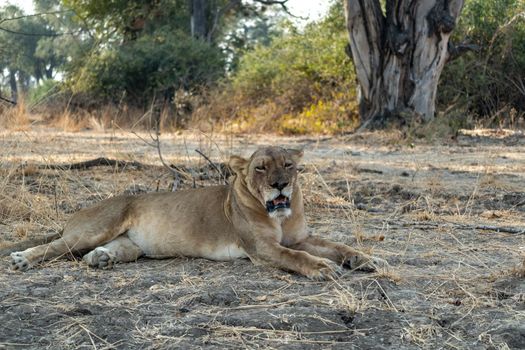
{"x":75,"y":116}
{"x":450,"y":285}
{"x":14,"y":117}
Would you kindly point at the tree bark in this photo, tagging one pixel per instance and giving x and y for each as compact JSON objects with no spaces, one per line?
{"x":13,"y":85}
{"x":198,"y":19}
{"x":399,"y":54}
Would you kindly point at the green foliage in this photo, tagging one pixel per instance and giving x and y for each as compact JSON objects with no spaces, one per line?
{"x":153,"y":63}
{"x":37,"y":47}
{"x":18,"y":49}
{"x":332,"y":116}
{"x":146,"y":48}
{"x":46,"y":90}
{"x":489,"y":84}
{"x":301,"y":80}
{"x":117,"y":20}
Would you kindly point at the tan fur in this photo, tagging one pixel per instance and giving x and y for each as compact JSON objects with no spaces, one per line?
{"x":217,"y":222}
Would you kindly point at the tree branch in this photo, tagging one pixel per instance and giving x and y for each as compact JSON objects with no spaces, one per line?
{"x":102,"y":161}
{"x":212,"y":164}
{"x":504,"y":229}
{"x":37,"y":34}
{"x":33,"y":15}
{"x":283,"y":5}
{"x":156,"y":140}
{"x":8,"y":101}
{"x":455,"y":51}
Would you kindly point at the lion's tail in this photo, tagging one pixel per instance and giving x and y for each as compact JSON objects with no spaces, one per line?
{"x":29,"y":243}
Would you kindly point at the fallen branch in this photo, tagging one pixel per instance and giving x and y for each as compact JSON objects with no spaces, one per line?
{"x":504,"y":229}
{"x":102,"y":161}
{"x":369,"y":171}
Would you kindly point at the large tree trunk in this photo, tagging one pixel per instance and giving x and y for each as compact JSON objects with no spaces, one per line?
{"x":399,"y":55}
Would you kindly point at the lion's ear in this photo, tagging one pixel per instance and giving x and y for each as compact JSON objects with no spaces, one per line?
{"x":238,"y":164}
{"x":296,"y":154}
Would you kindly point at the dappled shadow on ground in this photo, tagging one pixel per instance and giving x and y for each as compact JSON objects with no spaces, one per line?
{"x":448,"y":218}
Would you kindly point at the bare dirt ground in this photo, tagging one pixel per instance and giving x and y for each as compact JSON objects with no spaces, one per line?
{"x":433,"y":211}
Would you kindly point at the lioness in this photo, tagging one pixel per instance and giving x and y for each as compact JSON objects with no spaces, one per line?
{"x":259,"y":216}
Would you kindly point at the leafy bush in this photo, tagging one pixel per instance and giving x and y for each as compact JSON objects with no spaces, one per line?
{"x":489,"y":84}
{"x":301,"y":82}
{"x":151,"y":64}
{"x":332,"y":116}
{"x":45,"y":90}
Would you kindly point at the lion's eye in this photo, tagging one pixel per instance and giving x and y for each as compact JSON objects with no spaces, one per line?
{"x":260,"y":168}
{"x":288,"y":165}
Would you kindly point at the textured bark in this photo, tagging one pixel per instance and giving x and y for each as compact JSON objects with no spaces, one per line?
{"x":399,"y":55}
{"x":198,"y":19}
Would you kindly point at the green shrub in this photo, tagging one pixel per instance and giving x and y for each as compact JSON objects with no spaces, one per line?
{"x":151,"y":64}
{"x":489,"y":84}
{"x":46,"y":90}
{"x":302,"y":82}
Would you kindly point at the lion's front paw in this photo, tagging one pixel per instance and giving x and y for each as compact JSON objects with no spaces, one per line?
{"x":101,"y":258}
{"x":19,"y":261}
{"x":365,"y":263}
{"x":324,"y":270}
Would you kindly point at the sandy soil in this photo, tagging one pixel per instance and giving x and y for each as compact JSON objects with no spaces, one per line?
{"x":433,"y":211}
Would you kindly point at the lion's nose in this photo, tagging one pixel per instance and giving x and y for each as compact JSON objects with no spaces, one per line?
{"x":279,"y":185}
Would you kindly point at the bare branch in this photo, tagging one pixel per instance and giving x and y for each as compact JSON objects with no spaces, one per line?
{"x":102,"y":161}
{"x":156,"y":140}
{"x":221,"y":175}
{"x":283,"y":5}
{"x":234,"y":3}
{"x":455,"y":51}
{"x":504,"y":229}
{"x":270,"y":2}
{"x":34,"y":15}
{"x":37,"y":34}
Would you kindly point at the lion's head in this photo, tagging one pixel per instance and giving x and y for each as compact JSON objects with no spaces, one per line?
{"x":270,"y":175}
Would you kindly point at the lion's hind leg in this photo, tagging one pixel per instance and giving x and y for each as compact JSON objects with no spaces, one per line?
{"x":121,"y":249}
{"x":32,"y":256}
{"x":79,"y":239}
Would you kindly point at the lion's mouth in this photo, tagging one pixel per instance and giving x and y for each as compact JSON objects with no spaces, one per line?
{"x":280,"y":202}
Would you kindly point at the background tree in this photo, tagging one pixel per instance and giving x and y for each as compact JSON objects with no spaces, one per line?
{"x":18,"y":46}
{"x":34,"y":47}
{"x":399,"y":52}
{"x":153,"y":48}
